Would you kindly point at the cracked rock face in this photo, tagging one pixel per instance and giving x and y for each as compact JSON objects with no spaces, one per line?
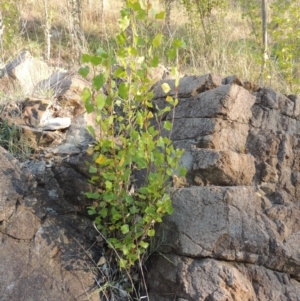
{"x":210,"y":279}
{"x":235,"y":231}
{"x":45,"y":250}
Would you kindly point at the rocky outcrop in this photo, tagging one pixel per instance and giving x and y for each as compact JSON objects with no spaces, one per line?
{"x":49,"y":247}
{"x":235,"y":230}
{"x":46,"y":250}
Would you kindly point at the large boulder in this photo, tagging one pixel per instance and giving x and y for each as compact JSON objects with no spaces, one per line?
{"x":28,"y":71}
{"x":235,"y":232}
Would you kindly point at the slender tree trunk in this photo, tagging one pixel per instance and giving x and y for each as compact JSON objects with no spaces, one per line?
{"x":75,"y":28}
{"x":265,"y":40}
{"x":1,"y":29}
{"x":47,"y":30}
{"x":168,"y":8}
{"x":1,"y":37}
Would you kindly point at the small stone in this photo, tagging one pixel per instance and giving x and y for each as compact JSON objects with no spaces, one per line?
{"x":101,"y":261}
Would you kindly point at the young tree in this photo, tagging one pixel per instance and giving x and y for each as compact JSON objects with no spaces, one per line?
{"x":132,"y":140}
{"x":201,"y":10}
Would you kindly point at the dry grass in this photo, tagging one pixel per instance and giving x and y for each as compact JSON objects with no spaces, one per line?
{"x":233,"y":49}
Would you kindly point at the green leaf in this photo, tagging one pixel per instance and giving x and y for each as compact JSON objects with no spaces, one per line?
{"x":93,"y":169}
{"x":124,"y":23}
{"x":94,"y":178}
{"x":129,"y":199}
{"x":135,"y":5}
{"x":101,"y":52}
{"x":121,"y":38}
{"x":182,"y":172}
{"x":172,"y":54}
{"x":98,"y":81}
{"x":102,"y":204}
{"x":160,"y":16}
{"x":132,"y":51}
{"x":151,"y":233}
{"x":154,"y":62}
{"x":123,"y":90}
{"x":123,"y":263}
{"x":168,"y":125}
{"x":96,"y":60}
{"x":179,"y":43}
{"x":157,"y":40}
{"x":144,"y":244}
{"x":87,"y":97}
{"x":119,"y":72}
{"x":91,"y":130}
{"x":102,"y":160}
{"x":165,"y":87}
{"x":133,"y":210}
{"x":116,"y":216}
{"x":85,"y":58}
{"x":143,"y":190}
{"x":100,"y":101}
{"x":140,"y":41}
{"x":125,"y":229}
{"x":91,"y":210}
{"x":103,"y":212}
{"x":108,"y":185}
{"x":93,"y":195}
{"x":170,"y":209}
{"x":125,"y":249}
{"x":84,"y":71}
{"x":170,"y":100}
{"x":142,"y":14}
{"x":150,"y":210}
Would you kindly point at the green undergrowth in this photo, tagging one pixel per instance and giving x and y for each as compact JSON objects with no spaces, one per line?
{"x":11,"y":139}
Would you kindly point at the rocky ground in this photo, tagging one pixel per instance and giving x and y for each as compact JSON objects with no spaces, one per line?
{"x":235,"y":231}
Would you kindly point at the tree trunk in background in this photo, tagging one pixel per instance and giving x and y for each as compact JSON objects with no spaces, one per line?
{"x":47,"y":31}
{"x":1,"y":28}
{"x":168,"y":7}
{"x":265,"y":40}
{"x":75,"y":27}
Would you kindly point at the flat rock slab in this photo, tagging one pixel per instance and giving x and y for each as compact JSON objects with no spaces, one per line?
{"x":179,"y":278}
{"x":226,"y":168}
{"x":58,"y":123}
{"x":188,"y":86}
{"x":230,"y":102}
{"x":218,"y":222}
{"x":214,"y":133}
